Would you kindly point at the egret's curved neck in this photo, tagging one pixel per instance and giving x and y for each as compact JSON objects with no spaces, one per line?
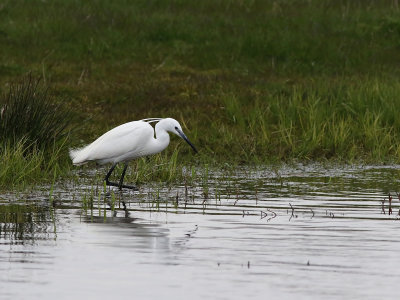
{"x":162,"y":137}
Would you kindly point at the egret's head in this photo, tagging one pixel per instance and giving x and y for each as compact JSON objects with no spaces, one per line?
{"x":173,"y":126}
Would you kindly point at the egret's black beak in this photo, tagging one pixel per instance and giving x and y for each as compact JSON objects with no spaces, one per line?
{"x":186,"y":139}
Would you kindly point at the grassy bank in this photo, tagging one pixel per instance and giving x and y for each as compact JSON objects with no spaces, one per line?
{"x":251,"y":81}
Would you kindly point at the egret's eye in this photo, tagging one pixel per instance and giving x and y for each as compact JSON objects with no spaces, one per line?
{"x":176,"y":128}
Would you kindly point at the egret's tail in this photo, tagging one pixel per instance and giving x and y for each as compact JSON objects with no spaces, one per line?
{"x":78,"y":156}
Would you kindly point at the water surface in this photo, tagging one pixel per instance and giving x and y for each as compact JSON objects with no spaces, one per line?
{"x":304,"y":232}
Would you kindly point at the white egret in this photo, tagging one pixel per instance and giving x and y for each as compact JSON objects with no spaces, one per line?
{"x":127,"y":142}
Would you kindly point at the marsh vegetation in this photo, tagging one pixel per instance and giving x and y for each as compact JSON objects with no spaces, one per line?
{"x":251,"y":81}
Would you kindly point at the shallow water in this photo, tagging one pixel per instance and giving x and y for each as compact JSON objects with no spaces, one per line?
{"x":304,"y":232}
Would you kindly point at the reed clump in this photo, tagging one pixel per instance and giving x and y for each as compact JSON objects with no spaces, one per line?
{"x":28,"y":112}
{"x":33,"y":132}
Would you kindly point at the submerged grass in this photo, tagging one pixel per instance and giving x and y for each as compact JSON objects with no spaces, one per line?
{"x":23,"y":222}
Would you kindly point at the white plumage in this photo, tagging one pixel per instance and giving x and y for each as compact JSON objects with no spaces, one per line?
{"x":127,"y":142}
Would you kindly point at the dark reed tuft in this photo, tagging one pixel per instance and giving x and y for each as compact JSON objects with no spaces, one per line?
{"x":30,"y":113}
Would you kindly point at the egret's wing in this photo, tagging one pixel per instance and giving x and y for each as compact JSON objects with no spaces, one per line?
{"x":130,"y":137}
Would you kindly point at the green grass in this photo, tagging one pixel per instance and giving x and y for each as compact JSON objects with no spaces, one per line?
{"x":22,"y":168}
{"x":163,"y":167}
{"x":250,"y":81}
{"x":344,"y":119}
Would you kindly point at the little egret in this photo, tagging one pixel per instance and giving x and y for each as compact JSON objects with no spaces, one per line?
{"x":127,"y":142}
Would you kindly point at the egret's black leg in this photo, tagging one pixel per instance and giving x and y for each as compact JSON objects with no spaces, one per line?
{"x":121,"y":180}
{"x":109,"y":174}
{"x":119,"y":185}
{"x":132,"y":187}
